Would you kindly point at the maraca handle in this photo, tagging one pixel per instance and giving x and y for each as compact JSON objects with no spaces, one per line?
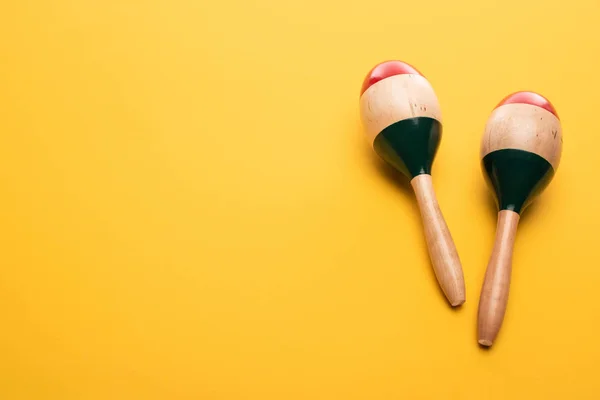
{"x":442,"y":251}
{"x":494,"y":293}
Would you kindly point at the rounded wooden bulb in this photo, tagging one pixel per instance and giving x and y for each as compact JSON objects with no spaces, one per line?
{"x":520,"y":152}
{"x":401,"y":116}
{"x":402,"y":120}
{"x":521,"y":149}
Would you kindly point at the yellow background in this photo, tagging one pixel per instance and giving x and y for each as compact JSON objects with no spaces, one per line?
{"x":189,"y":210}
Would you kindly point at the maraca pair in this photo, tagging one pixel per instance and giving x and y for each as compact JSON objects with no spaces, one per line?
{"x":520,"y":152}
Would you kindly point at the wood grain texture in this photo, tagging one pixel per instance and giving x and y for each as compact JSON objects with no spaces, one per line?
{"x":494,"y":293}
{"x":442,"y":251}
{"x":524,"y":127}
{"x":397,"y":98}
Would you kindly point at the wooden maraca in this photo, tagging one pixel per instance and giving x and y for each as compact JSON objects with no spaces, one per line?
{"x":402,"y":119}
{"x":520,"y":153}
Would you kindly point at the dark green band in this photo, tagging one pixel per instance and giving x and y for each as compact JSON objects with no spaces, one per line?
{"x":410,"y":145}
{"x":517,"y":176}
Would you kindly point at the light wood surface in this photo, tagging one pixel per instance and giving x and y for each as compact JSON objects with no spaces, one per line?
{"x":524,"y":127}
{"x":442,"y":251}
{"x":397,"y":98}
{"x":494,"y":293}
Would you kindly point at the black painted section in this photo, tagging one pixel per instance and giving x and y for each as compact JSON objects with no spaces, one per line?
{"x":410,"y":145}
{"x":517,"y":177}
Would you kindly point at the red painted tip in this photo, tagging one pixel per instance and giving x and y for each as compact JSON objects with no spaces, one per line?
{"x":529,"y":98}
{"x":385,"y":70}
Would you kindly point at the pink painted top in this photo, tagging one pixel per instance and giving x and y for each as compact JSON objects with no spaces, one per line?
{"x":385,"y":70}
{"x":528,"y":98}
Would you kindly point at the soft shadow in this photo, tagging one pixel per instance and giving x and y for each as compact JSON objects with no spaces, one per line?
{"x":528,"y":214}
{"x":485,"y":348}
{"x":388,"y":172}
{"x":402,"y":183}
{"x":488,"y":198}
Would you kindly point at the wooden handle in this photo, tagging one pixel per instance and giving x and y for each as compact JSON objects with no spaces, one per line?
{"x":442,"y":250}
{"x":494,"y":293}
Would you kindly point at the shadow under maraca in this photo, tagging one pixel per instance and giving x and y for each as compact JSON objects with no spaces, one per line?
{"x":391,"y":174}
{"x":532,"y":209}
{"x":402,"y":183}
{"x":486,"y":195}
{"x":488,"y":199}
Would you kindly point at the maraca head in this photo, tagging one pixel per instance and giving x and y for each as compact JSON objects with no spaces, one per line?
{"x":521,"y":149}
{"x":401,"y":116}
